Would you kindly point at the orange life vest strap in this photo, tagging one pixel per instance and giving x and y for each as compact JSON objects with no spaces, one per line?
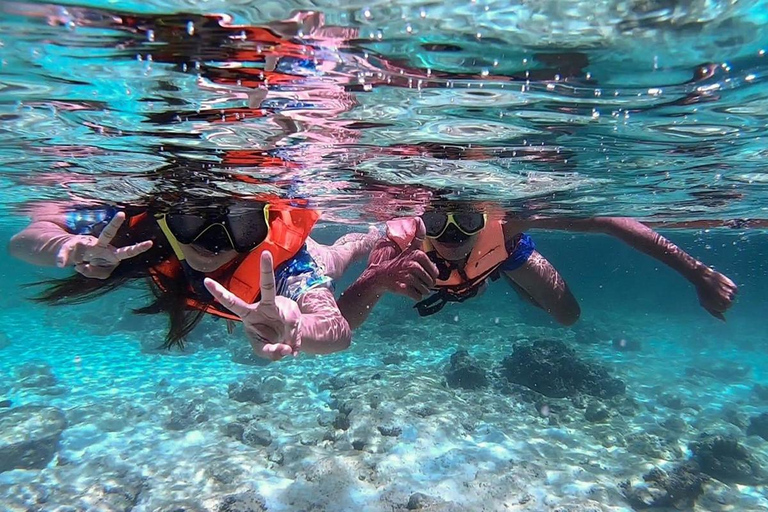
{"x":289,"y":229}
{"x":488,"y":253}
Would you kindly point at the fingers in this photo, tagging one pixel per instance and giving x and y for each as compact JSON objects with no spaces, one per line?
{"x":65,"y":253}
{"x":131,"y":251}
{"x":422,"y":259}
{"x":226,"y":298}
{"x":421,"y":234}
{"x":275,"y":351}
{"x":411,"y":291}
{"x":109,"y":232}
{"x":93,"y":271}
{"x":268,"y":287}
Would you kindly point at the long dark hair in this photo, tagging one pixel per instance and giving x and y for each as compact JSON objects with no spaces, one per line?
{"x":169,"y":296}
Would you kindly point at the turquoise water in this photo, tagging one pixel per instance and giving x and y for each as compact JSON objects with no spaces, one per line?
{"x":653,"y":110}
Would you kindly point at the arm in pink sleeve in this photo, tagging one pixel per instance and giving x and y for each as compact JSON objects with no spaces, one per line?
{"x":40,"y":242}
{"x":323,"y":328}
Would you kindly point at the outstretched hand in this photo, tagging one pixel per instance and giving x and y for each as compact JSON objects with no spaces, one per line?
{"x":410,"y":273}
{"x":95,"y":257}
{"x":273,"y":324}
{"x":716,"y":293}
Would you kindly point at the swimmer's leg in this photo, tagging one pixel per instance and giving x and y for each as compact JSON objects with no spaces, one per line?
{"x":350,"y":248}
{"x":541,"y":284}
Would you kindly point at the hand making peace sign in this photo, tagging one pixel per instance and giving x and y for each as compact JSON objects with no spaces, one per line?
{"x":95,"y":257}
{"x":273,"y":324}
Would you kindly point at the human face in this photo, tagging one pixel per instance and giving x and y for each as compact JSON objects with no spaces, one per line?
{"x":454,"y":248}
{"x":453,"y":234}
{"x":203,"y":260}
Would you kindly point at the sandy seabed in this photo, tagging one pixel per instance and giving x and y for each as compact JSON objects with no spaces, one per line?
{"x":375,"y":428}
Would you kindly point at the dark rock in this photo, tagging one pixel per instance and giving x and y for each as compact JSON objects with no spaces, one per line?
{"x":249,"y":501}
{"x":36,"y":375}
{"x":115,"y":493}
{"x":223,"y":472}
{"x":734,"y":416}
{"x":256,"y":435}
{"x":358,"y":444}
{"x":341,"y":422}
{"x":235,"y":430}
{"x":394,"y":358}
{"x":418,"y":501}
{"x":464,"y":372}
{"x":596,"y":412}
{"x":249,"y":390}
{"x":390,"y":431}
{"x":579,"y":401}
{"x":675,"y":424}
{"x":277,"y":456}
{"x":677,"y":488}
{"x":672,"y":401}
{"x":552,"y":369}
{"x":726,"y":459}
{"x":758,"y":426}
{"x":626,"y":406}
{"x":186,"y":414}
{"x":33,"y":368}
{"x":4,"y":404}
{"x":182,"y":506}
{"x":29,"y":436}
{"x":338,"y":382}
{"x":655,"y":447}
{"x":625,"y":345}
{"x":424,"y":410}
{"x":761,"y":392}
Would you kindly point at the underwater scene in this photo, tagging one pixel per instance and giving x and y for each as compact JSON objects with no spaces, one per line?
{"x":376,"y":255}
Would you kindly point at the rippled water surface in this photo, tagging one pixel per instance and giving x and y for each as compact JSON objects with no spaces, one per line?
{"x":649,"y":109}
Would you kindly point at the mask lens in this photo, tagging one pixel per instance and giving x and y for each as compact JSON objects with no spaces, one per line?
{"x":469,"y":223}
{"x":248,"y":229}
{"x":214,"y":238}
{"x":186,"y":227}
{"x":434,"y":222}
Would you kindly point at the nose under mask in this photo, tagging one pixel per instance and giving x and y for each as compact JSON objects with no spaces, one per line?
{"x":453,"y":236}
{"x":214,"y":239}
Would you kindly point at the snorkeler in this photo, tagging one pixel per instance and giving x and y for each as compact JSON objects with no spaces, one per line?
{"x":241,"y":260}
{"x":449,"y":255}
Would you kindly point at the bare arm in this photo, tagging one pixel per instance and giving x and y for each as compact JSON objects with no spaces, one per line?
{"x":323,"y":328}
{"x":357,"y":301}
{"x":47,"y":242}
{"x":716,"y":292}
{"x":636,"y":235}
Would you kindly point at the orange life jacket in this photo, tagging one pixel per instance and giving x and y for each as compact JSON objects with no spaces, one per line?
{"x":289,"y":228}
{"x":487,"y":255}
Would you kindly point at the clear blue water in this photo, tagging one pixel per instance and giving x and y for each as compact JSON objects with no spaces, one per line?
{"x":653,"y":110}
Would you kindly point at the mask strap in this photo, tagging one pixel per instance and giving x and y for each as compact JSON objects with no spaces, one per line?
{"x":194,"y":277}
